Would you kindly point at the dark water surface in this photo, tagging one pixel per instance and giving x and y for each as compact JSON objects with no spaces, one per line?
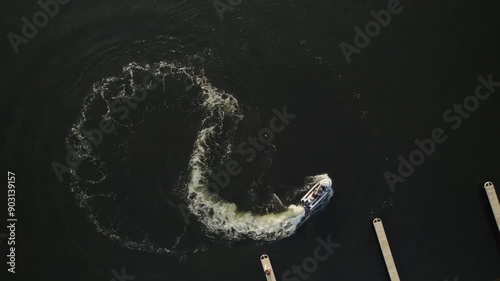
{"x":352,"y":122}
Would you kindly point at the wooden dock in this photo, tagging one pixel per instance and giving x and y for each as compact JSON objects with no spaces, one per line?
{"x":268,"y":269}
{"x":386,"y":250}
{"x":495,"y":205}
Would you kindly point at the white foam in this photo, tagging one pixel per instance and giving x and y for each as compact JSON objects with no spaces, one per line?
{"x":218,"y":216}
{"x":84,"y":199}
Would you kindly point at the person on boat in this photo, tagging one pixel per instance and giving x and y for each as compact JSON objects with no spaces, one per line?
{"x":312,"y":198}
{"x":322,"y":189}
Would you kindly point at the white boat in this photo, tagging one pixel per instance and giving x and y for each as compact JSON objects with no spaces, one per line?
{"x":318,"y":193}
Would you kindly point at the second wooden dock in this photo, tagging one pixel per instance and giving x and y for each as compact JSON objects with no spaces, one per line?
{"x":268,"y":268}
{"x":493,"y":198}
{"x":386,"y":250}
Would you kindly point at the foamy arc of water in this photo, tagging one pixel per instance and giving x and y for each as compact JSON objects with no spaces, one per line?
{"x":219,"y":216}
{"x":75,"y":140}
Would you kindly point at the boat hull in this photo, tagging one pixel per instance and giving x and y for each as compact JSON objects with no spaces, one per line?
{"x":317,"y":195}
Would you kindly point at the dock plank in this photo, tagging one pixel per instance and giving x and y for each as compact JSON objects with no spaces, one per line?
{"x":386,"y":250}
{"x":267,"y":267}
{"x":493,"y":198}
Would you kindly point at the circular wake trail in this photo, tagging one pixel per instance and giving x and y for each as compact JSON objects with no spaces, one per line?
{"x":218,"y":216}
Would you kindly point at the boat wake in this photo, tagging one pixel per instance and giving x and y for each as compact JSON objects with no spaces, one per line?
{"x":218,"y":216}
{"x":94,"y":180}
